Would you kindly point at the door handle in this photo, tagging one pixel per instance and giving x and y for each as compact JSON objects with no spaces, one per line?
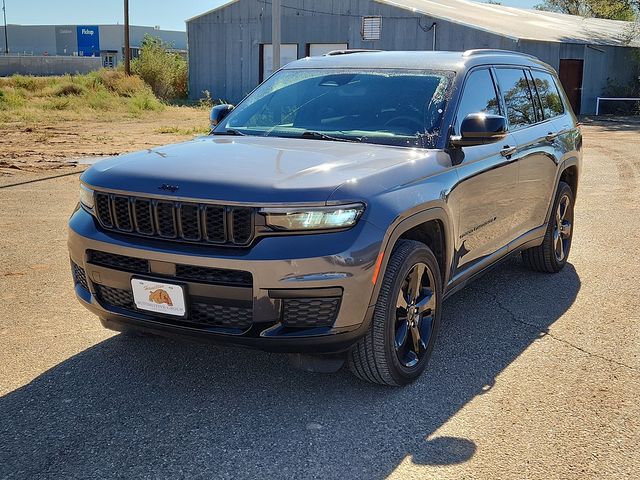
{"x":508,"y":151}
{"x":551,"y":136}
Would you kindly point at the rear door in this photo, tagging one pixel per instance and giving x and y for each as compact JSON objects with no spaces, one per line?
{"x":486,"y":192}
{"x":537,"y":151}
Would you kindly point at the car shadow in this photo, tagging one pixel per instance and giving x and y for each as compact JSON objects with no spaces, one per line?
{"x":154,"y":407}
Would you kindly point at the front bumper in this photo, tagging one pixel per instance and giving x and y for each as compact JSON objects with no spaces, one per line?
{"x":305,"y":293}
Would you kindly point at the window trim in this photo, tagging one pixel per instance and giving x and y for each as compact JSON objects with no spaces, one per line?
{"x":523,"y":69}
{"x":558,"y":90}
{"x":463,"y":89}
{"x":536,"y":98}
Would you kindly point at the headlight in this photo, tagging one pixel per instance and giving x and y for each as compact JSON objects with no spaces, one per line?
{"x":86,"y":197}
{"x":321,"y":218}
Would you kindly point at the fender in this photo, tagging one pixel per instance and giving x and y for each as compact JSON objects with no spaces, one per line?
{"x":398,"y":228}
{"x":569,"y":162}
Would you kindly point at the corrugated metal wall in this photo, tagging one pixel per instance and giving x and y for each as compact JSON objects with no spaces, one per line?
{"x":224,"y":45}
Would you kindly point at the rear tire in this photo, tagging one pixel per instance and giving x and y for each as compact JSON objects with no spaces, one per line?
{"x":397,"y":347}
{"x":551,"y":256}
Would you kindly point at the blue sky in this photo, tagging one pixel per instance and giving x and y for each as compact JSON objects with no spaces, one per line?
{"x":170,"y":15}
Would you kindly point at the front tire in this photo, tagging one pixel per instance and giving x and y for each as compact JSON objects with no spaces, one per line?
{"x":397,"y":347}
{"x":551,"y":256}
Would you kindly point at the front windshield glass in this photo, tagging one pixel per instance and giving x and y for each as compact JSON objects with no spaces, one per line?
{"x":389,"y":107}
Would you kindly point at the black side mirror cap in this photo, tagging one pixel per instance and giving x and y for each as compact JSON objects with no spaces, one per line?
{"x":480,"y":129}
{"x":218,"y":113}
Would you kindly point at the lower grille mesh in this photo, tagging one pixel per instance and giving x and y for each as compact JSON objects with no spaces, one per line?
{"x":201,"y":313}
{"x":310,"y":312}
{"x":79,"y":276}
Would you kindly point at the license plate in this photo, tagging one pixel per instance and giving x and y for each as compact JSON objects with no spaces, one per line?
{"x":157,"y":297}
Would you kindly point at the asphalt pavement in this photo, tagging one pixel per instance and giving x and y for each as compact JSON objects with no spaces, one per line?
{"x":533,"y":375}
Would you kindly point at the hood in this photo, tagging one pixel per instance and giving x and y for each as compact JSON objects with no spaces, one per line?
{"x":248,"y":169}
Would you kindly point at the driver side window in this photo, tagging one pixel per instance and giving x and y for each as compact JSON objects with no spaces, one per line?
{"x":479,"y":96}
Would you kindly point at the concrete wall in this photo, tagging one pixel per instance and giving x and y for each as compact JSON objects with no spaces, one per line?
{"x":224,"y":45}
{"x":36,"y":65}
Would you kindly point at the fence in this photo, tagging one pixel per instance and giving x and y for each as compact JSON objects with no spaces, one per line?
{"x":44,"y":65}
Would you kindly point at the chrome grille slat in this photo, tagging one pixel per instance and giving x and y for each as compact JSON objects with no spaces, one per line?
{"x":191,"y":222}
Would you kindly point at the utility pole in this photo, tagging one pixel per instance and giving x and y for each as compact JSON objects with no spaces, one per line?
{"x":276,"y":32}
{"x":127,"y":46}
{"x":6,"y":36}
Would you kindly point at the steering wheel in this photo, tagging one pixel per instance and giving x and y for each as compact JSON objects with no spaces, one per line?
{"x":410,"y":123}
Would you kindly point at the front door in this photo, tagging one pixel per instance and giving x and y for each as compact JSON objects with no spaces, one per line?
{"x":571,"y":79}
{"x":485,"y":196}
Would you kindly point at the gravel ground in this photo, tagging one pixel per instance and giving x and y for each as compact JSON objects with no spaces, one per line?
{"x":534,"y":376}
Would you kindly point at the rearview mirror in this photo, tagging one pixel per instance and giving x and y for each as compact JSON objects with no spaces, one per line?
{"x":480,"y":129}
{"x":218,"y":113}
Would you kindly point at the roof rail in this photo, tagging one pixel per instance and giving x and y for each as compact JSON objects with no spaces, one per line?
{"x":333,"y":53}
{"x":493,"y":51}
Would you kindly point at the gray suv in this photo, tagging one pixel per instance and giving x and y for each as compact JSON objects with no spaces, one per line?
{"x":332,"y":211}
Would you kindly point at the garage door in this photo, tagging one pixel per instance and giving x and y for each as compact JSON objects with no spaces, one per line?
{"x":319,"y":49}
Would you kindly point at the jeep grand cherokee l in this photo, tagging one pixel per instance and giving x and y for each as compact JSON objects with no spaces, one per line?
{"x":335,"y":207}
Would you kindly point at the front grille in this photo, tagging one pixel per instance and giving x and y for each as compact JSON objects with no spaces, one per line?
{"x":208,"y":314}
{"x":79,"y":276}
{"x":119,"y":262}
{"x":310,"y":312}
{"x":214,"y":276}
{"x":115,"y":297}
{"x":182,"y":221}
{"x":217,"y":276}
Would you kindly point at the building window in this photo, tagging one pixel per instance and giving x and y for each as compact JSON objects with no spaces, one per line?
{"x":371,"y":28}
{"x":319,"y":49}
{"x":288,"y":54}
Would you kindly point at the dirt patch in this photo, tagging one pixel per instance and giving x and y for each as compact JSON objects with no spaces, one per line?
{"x":53,"y":144}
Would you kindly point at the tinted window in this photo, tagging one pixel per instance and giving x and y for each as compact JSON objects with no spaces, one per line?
{"x":517,"y":97}
{"x":385,"y":106}
{"x":479,"y":96}
{"x":549,"y":94}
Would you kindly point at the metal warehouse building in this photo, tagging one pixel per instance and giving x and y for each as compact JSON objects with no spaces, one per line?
{"x":230,"y":51}
{"x":105,"y":41}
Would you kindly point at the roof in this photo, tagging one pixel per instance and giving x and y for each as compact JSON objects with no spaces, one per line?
{"x":524,"y":24}
{"x":419,"y":60}
{"x":515,"y":23}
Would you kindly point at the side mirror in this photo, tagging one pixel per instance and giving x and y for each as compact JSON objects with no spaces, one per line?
{"x":218,"y":113}
{"x":480,"y":129}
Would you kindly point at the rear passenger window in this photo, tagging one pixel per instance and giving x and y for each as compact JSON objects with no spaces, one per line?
{"x":517,"y":97}
{"x":549,"y":94}
{"x":479,"y":96}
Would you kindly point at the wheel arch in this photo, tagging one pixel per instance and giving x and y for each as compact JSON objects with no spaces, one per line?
{"x":569,"y":172}
{"x":431,"y":227}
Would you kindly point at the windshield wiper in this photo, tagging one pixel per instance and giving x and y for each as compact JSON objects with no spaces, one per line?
{"x":231,"y":131}
{"x":324,"y":136}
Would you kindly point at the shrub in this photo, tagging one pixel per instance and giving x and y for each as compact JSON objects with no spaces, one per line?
{"x":165,"y":72}
{"x":144,"y":101}
{"x":57,"y":104}
{"x":29,"y":83}
{"x":119,"y":83}
{"x":67,"y":89}
{"x":11,"y":99}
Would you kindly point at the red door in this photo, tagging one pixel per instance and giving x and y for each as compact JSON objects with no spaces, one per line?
{"x":571,"y":77}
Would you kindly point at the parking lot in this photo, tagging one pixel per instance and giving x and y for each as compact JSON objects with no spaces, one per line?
{"x":533,"y":376}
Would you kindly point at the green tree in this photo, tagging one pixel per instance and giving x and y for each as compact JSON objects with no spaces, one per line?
{"x":610,"y":9}
{"x":164,"y":71}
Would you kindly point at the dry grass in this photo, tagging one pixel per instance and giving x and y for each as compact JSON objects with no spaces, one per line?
{"x":105,"y":95}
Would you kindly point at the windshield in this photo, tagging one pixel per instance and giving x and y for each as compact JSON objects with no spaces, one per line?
{"x":389,"y":107}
